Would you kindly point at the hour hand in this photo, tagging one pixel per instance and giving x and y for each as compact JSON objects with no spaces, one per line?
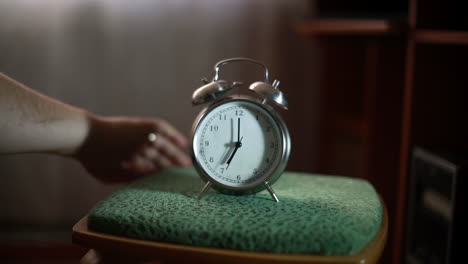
{"x":229,"y":149}
{"x":238,"y":145}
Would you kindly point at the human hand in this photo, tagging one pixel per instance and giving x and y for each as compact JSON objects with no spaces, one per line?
{"x":118,"y":149}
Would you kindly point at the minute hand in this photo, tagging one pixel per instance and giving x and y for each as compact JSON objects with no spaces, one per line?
{"x":238,"y":145}
{"x":238,"y":130}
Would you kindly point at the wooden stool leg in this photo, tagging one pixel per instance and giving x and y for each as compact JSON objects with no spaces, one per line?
{"x":91,"y":257}
{"x":95,"y":257}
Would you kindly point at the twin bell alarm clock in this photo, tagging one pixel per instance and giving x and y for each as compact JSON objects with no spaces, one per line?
{"x":240,"y":142}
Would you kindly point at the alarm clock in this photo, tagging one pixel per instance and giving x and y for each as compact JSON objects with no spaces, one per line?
{"x":240,"y":142}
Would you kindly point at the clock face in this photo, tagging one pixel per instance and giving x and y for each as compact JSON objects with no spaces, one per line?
{"x":238,"y":144}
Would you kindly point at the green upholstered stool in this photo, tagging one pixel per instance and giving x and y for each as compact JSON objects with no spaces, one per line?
{"x":159,"y":216}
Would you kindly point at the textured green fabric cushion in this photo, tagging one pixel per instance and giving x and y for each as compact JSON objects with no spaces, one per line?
{"x":317,"y":214}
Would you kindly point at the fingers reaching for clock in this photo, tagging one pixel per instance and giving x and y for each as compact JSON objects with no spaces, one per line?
{"x":149,"y":160}
{"x":118,"y":148}
{"x":140,"y":164}
{"x":169,"y":151}
{"x":160,"y":153}
{"x":166,"y":130}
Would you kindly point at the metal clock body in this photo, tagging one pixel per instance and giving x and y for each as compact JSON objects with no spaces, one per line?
{"x":240,"y":144}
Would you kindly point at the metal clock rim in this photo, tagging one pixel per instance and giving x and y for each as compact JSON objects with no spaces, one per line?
{"x":276,"y":171}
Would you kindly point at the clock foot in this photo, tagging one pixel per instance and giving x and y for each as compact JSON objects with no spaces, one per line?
{"x":204,"y":189}
{"x":270,"y":190}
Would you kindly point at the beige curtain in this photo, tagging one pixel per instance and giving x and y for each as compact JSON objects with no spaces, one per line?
{"x":119,"y":57}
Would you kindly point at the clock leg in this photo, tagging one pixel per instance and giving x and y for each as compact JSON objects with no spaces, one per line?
{"x":204,"y":189}
{"x":270,"y":190}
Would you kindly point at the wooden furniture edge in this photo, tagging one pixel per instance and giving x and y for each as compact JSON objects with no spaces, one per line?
{"x":341,"y":26}
{"x":441,"y":36}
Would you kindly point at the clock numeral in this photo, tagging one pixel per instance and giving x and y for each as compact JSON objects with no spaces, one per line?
{"x":239,"y":112}
{"x":238,"y":177}
{"x":222,"y":170}
{"x":207,"y":143}
{"x":211,"y":159}
{"x":214,"y":128}
{"x":222,"y":117}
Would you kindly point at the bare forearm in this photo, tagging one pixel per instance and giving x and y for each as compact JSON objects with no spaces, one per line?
{"x":32,"y":122}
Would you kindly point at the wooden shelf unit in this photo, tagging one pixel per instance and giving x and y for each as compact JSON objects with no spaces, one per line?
{"x":441,"y":37}
{"x":351,"y":124}
{"x":386,"y":87}
{"x":342,"y":26}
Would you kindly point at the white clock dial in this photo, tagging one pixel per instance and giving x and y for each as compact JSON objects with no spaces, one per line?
{"x":238,"y":144}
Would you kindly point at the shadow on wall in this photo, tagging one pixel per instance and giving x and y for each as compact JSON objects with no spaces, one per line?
{"x":124,"y":58}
